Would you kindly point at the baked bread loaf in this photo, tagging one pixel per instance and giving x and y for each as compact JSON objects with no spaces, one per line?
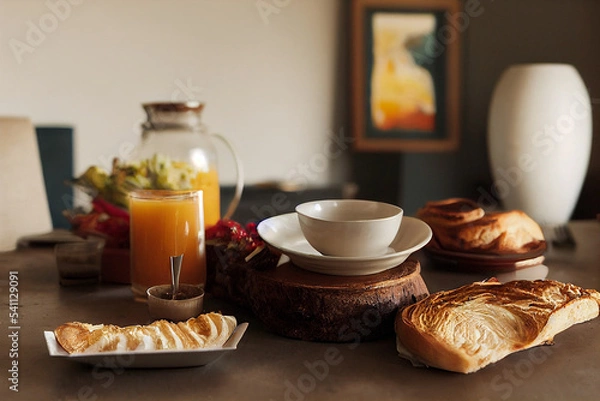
{"x":450,"y":212}
{"x":465,"y":329}
{"x":460,"y":225}
{"x":207,"y":330}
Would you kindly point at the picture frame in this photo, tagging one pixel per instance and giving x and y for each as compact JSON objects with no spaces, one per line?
{"x":405,"y":75}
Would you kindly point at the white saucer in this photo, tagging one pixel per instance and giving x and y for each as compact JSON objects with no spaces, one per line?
{"x":283,"y":233}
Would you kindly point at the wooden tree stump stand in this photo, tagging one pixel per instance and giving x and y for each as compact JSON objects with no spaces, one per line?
{"x":310,"y":306}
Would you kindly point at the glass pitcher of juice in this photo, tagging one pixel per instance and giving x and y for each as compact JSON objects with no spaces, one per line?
{"x":181,"y":152}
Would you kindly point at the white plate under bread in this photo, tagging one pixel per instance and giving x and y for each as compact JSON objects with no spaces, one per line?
{"x":148,"y":359}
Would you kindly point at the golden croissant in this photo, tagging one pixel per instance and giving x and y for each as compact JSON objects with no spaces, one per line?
{"x":460,"y":225}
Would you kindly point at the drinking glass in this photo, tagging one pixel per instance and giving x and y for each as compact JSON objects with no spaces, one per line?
{"x":165,"y":224}
{"x":79,"y":262}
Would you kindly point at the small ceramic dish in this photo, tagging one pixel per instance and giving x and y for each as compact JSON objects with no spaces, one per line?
{"x":188,"y":302}
{"x":349,"y":227}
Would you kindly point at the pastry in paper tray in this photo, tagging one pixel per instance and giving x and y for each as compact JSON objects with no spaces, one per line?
{"x":205,"y":331}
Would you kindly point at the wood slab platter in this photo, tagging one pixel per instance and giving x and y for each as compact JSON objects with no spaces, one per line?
{"x":310,"y":306}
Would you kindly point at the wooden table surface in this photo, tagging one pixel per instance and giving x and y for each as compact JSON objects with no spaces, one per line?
{"x":270,"y":367}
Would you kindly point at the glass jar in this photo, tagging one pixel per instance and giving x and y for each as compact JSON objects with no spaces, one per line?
{"x":181,"y":152}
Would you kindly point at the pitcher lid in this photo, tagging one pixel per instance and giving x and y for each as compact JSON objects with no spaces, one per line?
{"x":173,"y":106}
{"x":172,"y":114}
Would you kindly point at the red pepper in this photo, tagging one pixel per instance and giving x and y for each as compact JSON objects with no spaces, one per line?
{"x":100,"y":205}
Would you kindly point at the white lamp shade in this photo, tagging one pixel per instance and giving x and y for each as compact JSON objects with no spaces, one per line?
{"x":23,"y":203}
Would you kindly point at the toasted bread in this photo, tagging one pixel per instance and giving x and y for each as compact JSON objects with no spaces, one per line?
{"x":468,"y":328}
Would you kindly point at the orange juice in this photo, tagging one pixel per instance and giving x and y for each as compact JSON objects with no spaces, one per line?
{"x":208,"y":183}
{"x":164,"y":224}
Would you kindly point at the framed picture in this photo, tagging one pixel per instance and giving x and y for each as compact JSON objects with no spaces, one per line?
{"x":405,"y":78}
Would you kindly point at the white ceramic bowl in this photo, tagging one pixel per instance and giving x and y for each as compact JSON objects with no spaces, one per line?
{"x":349,"y":227}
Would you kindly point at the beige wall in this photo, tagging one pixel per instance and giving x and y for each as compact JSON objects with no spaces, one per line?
{"x":268,"y":76}
{"x":276,"y":84}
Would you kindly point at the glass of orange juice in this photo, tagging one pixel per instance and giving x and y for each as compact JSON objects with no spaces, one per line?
{"x":164,"y":224}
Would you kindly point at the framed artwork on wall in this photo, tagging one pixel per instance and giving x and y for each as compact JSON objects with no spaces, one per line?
{"x":405,"y":75}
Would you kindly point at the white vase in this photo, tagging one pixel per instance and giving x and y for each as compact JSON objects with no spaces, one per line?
{"x":539,"y":140}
